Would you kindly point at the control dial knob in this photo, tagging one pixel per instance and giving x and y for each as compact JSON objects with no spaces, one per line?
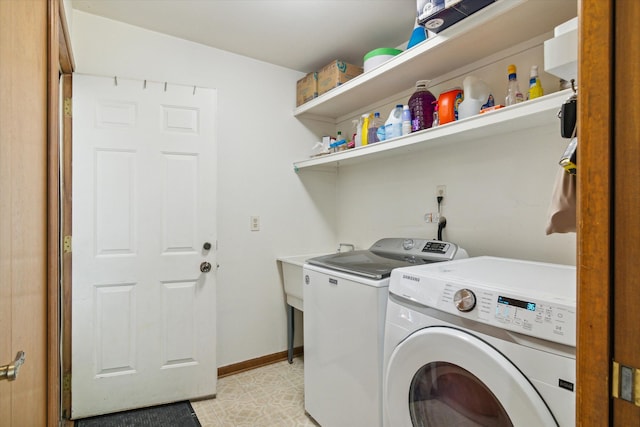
{"x":464,"y":300}
{"x":408,"y":244}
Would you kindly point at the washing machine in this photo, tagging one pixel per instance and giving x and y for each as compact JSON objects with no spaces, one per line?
{"x":345,"y":297}
{"x":482,"y":341}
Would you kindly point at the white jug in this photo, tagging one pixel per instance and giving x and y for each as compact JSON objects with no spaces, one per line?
{"x":476,"y":94}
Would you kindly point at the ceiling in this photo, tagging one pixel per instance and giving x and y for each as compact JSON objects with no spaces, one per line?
{"x":302,"y":35}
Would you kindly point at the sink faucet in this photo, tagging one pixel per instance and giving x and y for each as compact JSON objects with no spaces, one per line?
{"x":346,"y":245}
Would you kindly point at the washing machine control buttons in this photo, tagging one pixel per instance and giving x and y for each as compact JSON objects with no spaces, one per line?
{"x":408,"y":244}
{"x":464,"y":300}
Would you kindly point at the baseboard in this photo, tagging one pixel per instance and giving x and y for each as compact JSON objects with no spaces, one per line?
{"x":247,"y":365}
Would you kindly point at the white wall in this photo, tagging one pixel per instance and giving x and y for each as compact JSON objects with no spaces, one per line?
{"x":498,"y":189}
{"x":258,"y":140}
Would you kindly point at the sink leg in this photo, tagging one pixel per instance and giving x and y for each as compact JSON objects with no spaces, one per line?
{"x":290,"y":330}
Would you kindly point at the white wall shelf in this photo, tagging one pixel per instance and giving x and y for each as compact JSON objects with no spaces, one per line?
{"x":498,"y":26}
{"x":537,"y":113}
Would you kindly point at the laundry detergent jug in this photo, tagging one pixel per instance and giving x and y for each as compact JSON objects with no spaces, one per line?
{"x":448,"y":105}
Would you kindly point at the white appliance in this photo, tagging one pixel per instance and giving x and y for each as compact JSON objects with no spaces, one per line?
{"x":345,"y":297}
{"x":482,"y":341}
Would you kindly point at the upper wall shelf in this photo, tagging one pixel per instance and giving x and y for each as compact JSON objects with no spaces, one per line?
{"x":536,"y":113}
{"x":492,"y":29}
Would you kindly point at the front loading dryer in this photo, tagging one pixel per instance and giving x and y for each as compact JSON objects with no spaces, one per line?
{"x":480,"y":342}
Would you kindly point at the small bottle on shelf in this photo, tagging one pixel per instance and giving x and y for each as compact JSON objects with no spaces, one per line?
{"x":358,"y":137}
{"x":514,"y":95}
{"x":535,"y":88}
{"x":365,"y":129}
{"x":436,"y":115}
{"x":406,"y":120}
{"x":374,"y":125}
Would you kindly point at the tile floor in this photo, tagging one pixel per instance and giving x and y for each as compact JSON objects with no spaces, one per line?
{"x":270,"y":396}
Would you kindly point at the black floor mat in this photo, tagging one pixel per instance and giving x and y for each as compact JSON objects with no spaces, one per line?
{"x":179,"y":414}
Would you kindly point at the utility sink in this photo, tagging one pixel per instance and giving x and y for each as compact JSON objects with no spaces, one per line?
{"x":291,"y":268}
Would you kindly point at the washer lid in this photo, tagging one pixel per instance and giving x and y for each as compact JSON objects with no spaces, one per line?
{"x":387,"y":254}
{"x":362,"y":263}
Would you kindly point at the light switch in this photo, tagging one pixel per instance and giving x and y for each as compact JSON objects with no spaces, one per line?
{"x":255,"y":223}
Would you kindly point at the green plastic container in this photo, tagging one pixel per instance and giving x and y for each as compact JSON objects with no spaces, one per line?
{"x":378,"y":56}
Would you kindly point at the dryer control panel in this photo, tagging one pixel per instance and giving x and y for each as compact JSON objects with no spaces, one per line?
{"x":545,"y":320}
{"x":532,"y":298}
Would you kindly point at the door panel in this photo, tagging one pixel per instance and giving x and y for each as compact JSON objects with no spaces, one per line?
{"x":626,"y":176}
{"x":144,"y":205}
{"x":179,"y":203}
{"x":594,"y":181}
{"x":115,"y":202}
{"x":23,"y":210}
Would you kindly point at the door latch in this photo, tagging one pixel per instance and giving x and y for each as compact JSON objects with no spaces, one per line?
{"x":625,"y":383}
{"x":10,"y":371}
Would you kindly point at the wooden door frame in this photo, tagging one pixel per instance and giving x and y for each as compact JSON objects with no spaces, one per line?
{"x":608,"y":205}
{"x":625,"y":206}
{"x":594,"y":237}
{"x":59,"y":62}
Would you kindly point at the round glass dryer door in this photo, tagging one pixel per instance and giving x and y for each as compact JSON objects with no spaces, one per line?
{"x":441,"y":376}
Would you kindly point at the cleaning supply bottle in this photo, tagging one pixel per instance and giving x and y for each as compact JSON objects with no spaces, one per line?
{"x":476,"y":94}
{"x":358,"y":137}
{"x":374,"y":124}
{"x":393,"y":125}
{"x":365,"y":128}
{"x":418,"y":35}
{"x":406,"y":120}
{"x":535,"y":88}
{"x":514,"y":95}
{"x":421,"y":106}
{"x":354,"y":127}
{"x":380,"y":133}
{"x":436,"y":115}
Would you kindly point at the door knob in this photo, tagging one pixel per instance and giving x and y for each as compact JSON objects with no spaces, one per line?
{"x":205,"y":267}
{"x":10,"y":371}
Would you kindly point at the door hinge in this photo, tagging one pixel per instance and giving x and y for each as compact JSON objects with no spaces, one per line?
{"x":625,"y":383}
{"x":66,"y":245}
{"x":66,"y":107}
{"x":66,"y":382}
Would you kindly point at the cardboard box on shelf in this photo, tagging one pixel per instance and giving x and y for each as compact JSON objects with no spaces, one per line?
{"x":307,"y":88}
{"x":334,"y":74}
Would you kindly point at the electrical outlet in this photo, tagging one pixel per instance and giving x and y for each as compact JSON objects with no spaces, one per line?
{"x":254,"y":223}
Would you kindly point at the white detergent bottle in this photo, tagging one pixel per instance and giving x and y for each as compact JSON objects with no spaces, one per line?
{"x":476,"y":93}
{"x":393,"y":125}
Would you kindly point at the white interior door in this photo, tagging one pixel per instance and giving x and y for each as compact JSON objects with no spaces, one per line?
{"x":144,"y":197}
